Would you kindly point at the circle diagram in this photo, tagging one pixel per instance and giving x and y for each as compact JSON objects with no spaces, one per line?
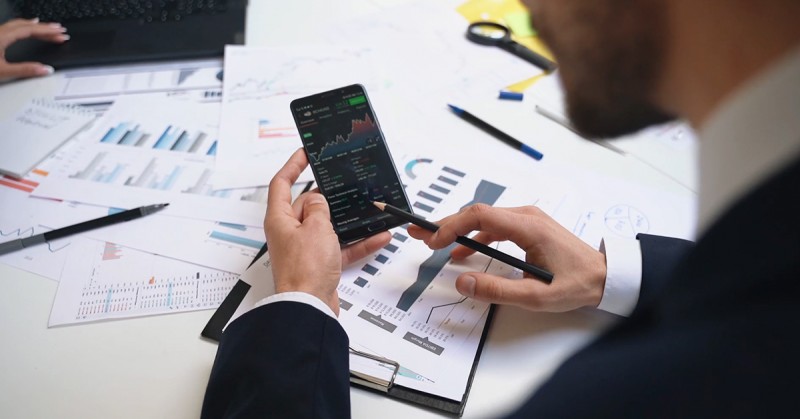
{"x":626,"y":221}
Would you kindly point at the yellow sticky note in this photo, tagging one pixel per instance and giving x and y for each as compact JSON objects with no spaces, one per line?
{"x":519,"y":23}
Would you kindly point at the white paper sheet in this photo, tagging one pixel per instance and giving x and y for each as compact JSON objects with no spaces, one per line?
{"x":102,"y":280}
{"x":150,"y":149}
{"x":257,"y":131}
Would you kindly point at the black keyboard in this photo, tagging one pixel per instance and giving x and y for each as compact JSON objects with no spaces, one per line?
{"x":65,"y":11}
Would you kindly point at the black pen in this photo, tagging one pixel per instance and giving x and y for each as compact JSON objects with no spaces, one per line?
{"x":500,"y":135}
{"x":536,"y":271}
{"x":119,"y":217}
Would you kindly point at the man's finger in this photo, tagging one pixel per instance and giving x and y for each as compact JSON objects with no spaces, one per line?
{"x":280,"y":187}
{"x":461,"y":252}
{"x":515,"y":224}
{"x":316,"y":211}
{"x":24,"y":70}
{"x":364,"y":248}
{"x":495,"y":289}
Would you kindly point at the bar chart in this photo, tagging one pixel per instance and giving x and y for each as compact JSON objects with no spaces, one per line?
{"x":165,"y":155}
{"x":171,"y":138}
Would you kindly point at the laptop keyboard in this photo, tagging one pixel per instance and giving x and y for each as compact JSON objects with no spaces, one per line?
{"x":65,"y":11}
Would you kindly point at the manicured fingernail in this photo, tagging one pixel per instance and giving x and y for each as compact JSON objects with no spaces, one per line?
{"x":45,"y":70}
{"x":35,"y":20}
{"x":467,"y":287}
{"x":55,"y":25}
{"x":65,"y":37}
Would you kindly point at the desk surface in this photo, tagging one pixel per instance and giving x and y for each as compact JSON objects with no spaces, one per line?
{"x":157,"y":367}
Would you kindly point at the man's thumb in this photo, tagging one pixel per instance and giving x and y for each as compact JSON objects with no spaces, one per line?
{"x":481,"y":286}
{"x":315,"y":205}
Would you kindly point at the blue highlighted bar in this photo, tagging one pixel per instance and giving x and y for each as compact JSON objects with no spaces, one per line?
{"x":242,"y":241}
{"x":166,"y":139}
{"x":170,"y":181}
{"x":111,"y":177}
{"x":233,"y":226}
{"x":213,"y":150}
{"x":108,"y":300}
{"x":115,"y":134}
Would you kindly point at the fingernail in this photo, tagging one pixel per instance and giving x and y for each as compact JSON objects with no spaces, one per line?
{"x":35,"y":20}
{"x":45,"y":70}
{"x":467,"y":287}
{"x":65,"y":37}
{"x":55,"y":25}
{"x":315,"y":198}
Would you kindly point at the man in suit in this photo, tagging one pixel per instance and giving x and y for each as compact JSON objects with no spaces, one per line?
{"x":711,"y":327}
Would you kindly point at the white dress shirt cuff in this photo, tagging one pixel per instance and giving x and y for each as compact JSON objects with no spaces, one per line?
{"x":299,"y":297}
{"x":623,"y":275}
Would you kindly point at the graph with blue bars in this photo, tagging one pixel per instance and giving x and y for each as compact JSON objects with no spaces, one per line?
{"x":172,"y":138}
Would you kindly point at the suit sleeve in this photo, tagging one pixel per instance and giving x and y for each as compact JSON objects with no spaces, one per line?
{"x":285,"y":359}
{"x":660,"y":256}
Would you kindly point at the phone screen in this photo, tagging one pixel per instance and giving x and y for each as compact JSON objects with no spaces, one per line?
{"x":350,"y":160}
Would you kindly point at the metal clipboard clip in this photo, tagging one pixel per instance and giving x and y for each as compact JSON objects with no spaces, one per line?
{"x":372,"y":381}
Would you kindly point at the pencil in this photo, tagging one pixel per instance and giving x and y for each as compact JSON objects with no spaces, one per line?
{"x":496,"y":133}
{"x":536,"y":271}
{"x":560,"y":120}
{"x":119,"y":217}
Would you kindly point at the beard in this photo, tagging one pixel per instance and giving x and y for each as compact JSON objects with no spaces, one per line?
{"x":610,"y":53}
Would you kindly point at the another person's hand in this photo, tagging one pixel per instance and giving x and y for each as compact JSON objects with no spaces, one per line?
{"x":579,"y":270}
{"x":18,"y":29}
{"x":304,"y":249}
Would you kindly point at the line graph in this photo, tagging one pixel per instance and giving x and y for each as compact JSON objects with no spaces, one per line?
{"x":487,"y":193}
{"x":293,"y":72}
{"x":443,"y":305}
{"x":362,"y":131}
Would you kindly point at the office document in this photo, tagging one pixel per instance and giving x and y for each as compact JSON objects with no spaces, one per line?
{"x":96,"y":88}
{"x":257,"y":132}
{"x":102,"y":280}
{"x":153,"y":148}
{"x":35,"y":132}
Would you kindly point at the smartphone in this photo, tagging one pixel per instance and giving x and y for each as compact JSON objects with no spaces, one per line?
{"x":350,"y":160}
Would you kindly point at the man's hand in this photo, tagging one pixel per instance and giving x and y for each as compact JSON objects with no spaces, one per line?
{"x":18,"y":29}
{"x":303,"y":247}
{"x":579,"y":270}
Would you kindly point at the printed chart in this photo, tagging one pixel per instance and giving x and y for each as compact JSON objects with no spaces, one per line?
{"x":402,"y":303}
{"x":165,"y":155}
{"x":102,"y":280}
{"x":257,"y":131}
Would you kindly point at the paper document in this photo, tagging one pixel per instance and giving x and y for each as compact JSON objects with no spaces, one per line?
{"x":35,"y":132}
{"x":151,"y":148}
{"x":257,"y":132}
{"x":103,"y":280}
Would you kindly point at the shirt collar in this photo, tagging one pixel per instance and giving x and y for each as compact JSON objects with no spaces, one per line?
{"x":749,"y":137}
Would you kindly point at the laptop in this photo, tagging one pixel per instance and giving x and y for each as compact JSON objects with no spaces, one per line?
{"x":123,"y":31}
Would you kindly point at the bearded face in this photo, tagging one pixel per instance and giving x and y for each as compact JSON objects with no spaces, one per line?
{"x":609,"y":54}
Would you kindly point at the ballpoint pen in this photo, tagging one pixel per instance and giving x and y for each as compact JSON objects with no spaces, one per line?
{"x":120,"y":217}
{"x":500,"y":135}
{"x":536,"y":271}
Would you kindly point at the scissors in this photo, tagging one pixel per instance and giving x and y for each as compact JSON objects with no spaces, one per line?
{"x":495,"y":34}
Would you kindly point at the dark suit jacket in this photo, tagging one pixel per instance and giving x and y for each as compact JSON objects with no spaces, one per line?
{"x":715,"y":334}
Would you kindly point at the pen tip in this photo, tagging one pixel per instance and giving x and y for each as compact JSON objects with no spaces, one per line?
{"x":455,"y":109}
{"x":380,"y":205}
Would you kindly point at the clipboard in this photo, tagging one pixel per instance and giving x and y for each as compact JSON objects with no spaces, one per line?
{"x":214,"y":328}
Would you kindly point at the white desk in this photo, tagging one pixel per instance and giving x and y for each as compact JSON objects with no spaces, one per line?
{"x":158,"y":367}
